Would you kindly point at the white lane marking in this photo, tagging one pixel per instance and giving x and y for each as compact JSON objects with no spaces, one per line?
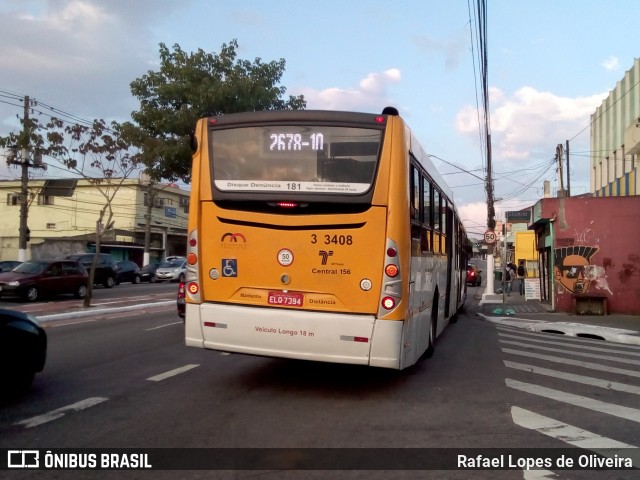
{"x":627,"y":413}
{"x":577,"y":363}
{"x":635,"y":353}
{"x":173,"y":373}
{"x":61,"y":412}
{"x":571,"y":352}
{"x":596,"y":382}
{"x":165,"y":325}
{"x":575,"y":436}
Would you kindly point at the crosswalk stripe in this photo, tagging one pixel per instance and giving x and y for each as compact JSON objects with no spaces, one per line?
{"x":595,"y":405}
{"x":571,"y":352}
{"x":596,"y":382}
{"x":567,"y":339}
{"x":575,"y":436}
{"x":577,"y":363}
{"x":564,"y":344}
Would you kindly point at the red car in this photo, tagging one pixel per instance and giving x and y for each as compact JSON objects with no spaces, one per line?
{"x":474,"y":276}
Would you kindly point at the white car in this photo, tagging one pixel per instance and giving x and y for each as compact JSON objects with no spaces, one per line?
{"x":172,"y":271}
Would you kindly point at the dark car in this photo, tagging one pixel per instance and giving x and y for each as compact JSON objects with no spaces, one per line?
{"x":180,"y":304}
{"x":148,"y":272}
{"x":105,"y":269}
{"x":8,"y":265}
{"x":35,"y":278}
{"x":474,"y":276}
{"x":127,"y":271}
{"x":23,"y":350}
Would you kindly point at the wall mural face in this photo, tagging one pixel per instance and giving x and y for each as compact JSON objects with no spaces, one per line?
{"x":573,"y":269}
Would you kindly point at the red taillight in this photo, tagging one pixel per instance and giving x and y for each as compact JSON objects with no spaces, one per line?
{"x":388,"y":303}
{"x":192,"y":242}
{"x":287,"y":204}
{"x":380,"y":120}
{"x":391,"y":252}
{"x":193,"y":288}
{"x":181,"y":291}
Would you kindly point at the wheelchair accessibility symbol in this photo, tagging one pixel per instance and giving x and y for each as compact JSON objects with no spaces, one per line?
{"x":229,"y":267}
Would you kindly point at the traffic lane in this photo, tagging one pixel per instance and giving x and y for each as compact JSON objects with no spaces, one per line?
{"x":100,"y":358}
{"x":455,"y":399}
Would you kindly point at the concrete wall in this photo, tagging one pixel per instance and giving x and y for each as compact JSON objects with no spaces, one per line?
{"x":596,"y":250}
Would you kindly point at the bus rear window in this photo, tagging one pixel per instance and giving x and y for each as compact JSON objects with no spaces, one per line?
{"x":305,"y":159}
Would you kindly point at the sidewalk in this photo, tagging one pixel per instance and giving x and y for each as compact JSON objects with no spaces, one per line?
{"x":537,"y":316}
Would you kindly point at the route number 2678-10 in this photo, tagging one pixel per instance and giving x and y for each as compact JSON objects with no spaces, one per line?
{"x":332,"y":239}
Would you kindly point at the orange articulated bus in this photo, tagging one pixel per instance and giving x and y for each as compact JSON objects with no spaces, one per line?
{"x":320,"y":235}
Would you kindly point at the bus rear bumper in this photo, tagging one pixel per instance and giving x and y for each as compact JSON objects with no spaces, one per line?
{"x":296,"y":334}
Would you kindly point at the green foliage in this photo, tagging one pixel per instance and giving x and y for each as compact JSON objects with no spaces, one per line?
{"x":192,"y":85}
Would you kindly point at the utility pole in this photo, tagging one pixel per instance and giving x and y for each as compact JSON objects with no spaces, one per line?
{"x":559,"y":155}
{"x":23,"y":159}
{"x":568,"y":174}
{"x":147,"y":227}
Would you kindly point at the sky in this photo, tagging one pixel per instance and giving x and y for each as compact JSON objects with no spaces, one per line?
{"x":550,"y":64}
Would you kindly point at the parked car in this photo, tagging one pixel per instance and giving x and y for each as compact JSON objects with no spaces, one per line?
{"x":175,"y":257}
{"x":148,"y":272}
{"x":127,"y":271}
{"x":172,"y":271}
{"x":23,"y":350}
{"x":8,"y":265}
{"x":105,"y":269}
{"x":35,"y":278}
{"x":180,"y":304}
{"x":474,"y":276}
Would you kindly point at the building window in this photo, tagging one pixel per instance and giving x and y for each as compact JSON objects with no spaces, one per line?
{"x":13,"y":199}
{"x":45,"y":200}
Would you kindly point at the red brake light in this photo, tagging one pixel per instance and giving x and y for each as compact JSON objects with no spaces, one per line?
{"x":287,"y":204}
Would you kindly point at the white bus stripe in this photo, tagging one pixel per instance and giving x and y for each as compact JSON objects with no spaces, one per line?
{"x":61,"y":412}
{"x":577,"y":363}
{"x":173,"y":373}
{"x":565,"y":345}
{"x":571,"y":352}
{"x":596,"y":405}
{"x":577,"y":437}
{"x":596,"y":382}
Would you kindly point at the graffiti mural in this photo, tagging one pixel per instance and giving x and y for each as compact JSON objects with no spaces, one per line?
{"x":573,"y":269}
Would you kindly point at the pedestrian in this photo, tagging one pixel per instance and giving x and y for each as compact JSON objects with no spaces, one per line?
{"x":522,"y":274}
{"x":510,"y":273}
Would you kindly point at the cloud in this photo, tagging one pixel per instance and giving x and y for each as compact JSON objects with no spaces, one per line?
{"x":370,"y":94}
{"x":611,"y":64}
{"x":528,"y":124}
{"x":78,"y":53}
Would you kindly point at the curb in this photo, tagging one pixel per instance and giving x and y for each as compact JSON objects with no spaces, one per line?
{"x":89,"y":312}
{"x":594,"y":332}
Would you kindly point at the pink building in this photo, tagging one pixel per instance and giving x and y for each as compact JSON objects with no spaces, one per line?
{"x":589,"y":251}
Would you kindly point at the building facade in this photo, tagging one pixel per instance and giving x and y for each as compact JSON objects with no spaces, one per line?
{"x":63,"y":218}
{"x":615,"y":139}
{"x":589,"y":248}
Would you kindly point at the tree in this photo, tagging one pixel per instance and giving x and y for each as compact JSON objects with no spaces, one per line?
{"x":102,"y":155}
{"x":193,"y":85}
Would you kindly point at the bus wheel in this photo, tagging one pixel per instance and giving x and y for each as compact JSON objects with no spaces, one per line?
{"x":431,"y":347}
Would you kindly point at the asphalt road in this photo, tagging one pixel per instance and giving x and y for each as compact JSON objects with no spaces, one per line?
{"x":128,"y":381}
